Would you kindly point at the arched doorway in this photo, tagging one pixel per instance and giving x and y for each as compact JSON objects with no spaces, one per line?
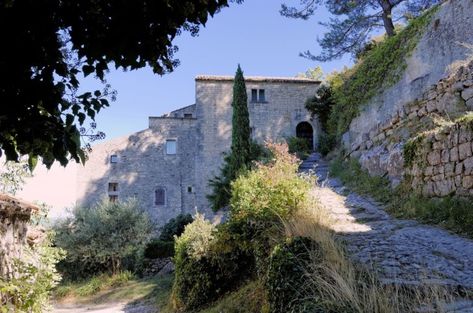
{"x":305,"y":130}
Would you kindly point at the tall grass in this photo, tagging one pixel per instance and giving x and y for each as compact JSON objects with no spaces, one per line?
{"x":340,"y":285}
{"x":93,"y":285}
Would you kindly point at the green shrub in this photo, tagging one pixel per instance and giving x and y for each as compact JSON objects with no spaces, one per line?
{"x":211,"y":261}
{"x":249,"y":298}
{"x":411,"y":150}
{"x":286,"y":277}
{"x":101,"y":238}
{"x":326,"y":143}
{"x":321,"y":105}
{"x":175,"y":227}
{"x":221,"y":185}
{"x":205,"y":269}
{"x":273,"y":190}
{"x":299,"y":146}
{"x":157,"y":249}
{"x":262,"y":199}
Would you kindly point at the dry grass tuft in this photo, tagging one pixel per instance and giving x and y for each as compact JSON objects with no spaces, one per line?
{"x":343,"y":286}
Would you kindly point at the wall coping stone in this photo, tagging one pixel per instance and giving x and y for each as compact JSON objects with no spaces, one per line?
{"x":13,"y":207}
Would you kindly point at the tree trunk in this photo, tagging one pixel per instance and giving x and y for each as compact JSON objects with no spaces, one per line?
{"x":387,"y":17}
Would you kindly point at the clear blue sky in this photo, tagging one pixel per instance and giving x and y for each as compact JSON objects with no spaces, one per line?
{"x":253,"y":34}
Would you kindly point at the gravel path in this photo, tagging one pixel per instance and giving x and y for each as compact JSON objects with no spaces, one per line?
{"x":401,"y":251}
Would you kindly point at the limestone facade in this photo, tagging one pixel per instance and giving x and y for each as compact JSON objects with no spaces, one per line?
{"x":140,"y":165}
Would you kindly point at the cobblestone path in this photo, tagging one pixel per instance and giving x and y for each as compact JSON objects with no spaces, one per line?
{"x":401,"y":251}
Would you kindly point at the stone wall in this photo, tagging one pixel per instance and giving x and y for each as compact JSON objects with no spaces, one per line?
{"x":14,"y":218}
{"x":442,"y":164}
{"x":427,"y":92}
{"x":143,"y":166}
{"x":442,"y":160}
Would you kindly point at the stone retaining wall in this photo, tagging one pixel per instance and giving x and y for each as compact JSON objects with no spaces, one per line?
{"x":443,"y":161}
{"x":380,"y":150}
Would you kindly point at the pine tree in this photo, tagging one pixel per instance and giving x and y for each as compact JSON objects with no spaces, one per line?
{"x":240,"y":156}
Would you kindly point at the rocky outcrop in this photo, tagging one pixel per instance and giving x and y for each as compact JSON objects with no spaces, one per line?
{"x":14,"y":218}
{"x":436,"y":88}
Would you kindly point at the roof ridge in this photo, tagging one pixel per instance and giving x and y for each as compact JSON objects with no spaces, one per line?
{"x":258,"y":79}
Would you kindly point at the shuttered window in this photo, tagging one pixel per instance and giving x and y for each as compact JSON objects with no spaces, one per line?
{"x":160,"y":196}
{"x":261,"y":97}
{"x":254,"y":95}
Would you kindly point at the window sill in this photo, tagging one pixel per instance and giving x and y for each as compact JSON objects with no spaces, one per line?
{"x":259,"y":102}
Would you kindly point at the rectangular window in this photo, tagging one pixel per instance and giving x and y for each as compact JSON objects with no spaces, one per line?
{"x":187,"y":115}
{"x":171,"y":146}
{"x":113,"y":198}
{"x":254,"y":95}
{"x":112,"y":187}
{"x":114,"y":158}
{"x":261,"y":96}
{"x":160,"y":196}
{"x":190,"y":189}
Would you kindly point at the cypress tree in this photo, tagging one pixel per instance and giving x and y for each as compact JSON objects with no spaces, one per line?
{"x":240,"y":155}
{"x":240,"y":151}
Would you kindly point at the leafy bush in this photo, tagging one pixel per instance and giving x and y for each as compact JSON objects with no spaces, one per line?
{"x":273,"y":190}
{"x":211,"y":261}
{"x":157,"y":249}
{"x":326,"y":143}
{"x":286,"y":276}
{"x":221,"y":189}
{"x":299,"y":146}
{"x":175,"y":227}
{"x":35,"y":276}
{"x":163,"y":246}
{"x":100,"y":238}
{"x":204,"y":270}
{"x":262,"y":199}
{"x":321,"y":105}
{"x":249,"y":298}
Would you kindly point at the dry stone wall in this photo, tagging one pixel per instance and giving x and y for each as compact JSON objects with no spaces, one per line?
{"x":442,"y":161}
{"x":433,"y":90}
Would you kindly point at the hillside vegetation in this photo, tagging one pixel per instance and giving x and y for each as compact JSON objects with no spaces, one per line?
{"x":277,"y":254}
{"x":380,"y":66}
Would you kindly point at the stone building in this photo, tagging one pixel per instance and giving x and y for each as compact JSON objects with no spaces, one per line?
{"x":168,"y":165}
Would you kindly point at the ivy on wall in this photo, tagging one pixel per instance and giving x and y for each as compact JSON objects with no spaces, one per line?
{"x":379,"y":68}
